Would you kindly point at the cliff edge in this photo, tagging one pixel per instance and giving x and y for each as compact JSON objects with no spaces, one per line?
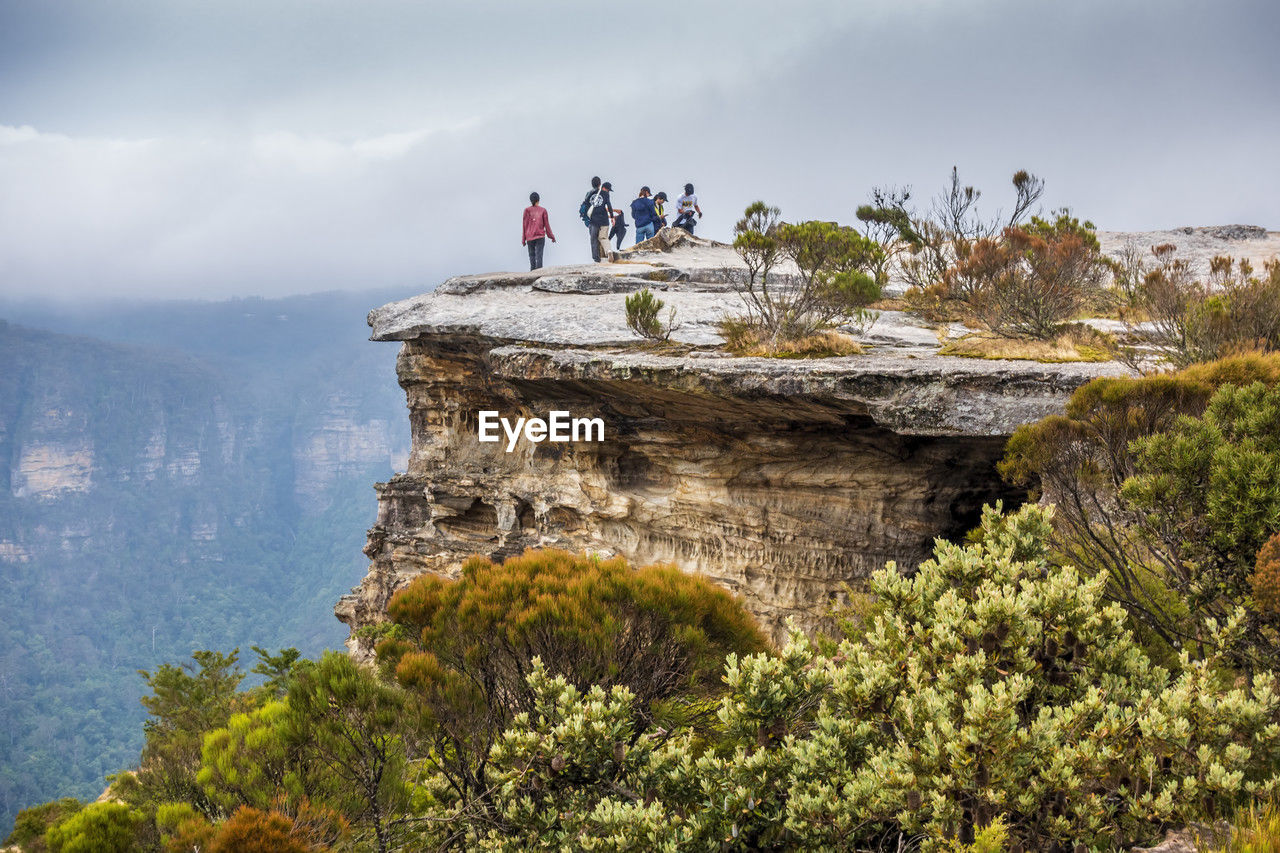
{"x":782,"y":479}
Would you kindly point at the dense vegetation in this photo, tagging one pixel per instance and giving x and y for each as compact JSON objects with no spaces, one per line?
{"x":991,"y":699}
{"x":327,"y":751}
{"x":1169,"y":486}
{"x":160,"y":556}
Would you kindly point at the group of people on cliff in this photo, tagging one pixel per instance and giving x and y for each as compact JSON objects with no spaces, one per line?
{"x":604,"y":222}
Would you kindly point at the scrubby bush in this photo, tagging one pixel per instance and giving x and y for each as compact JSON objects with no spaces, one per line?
{"x":1168,"y":486}
{"x":247,"y":762}
{"x":1025,"y":283}
{"x":834,"y":279}
{"x":31,"y":823}
{"x":252,"y":831}
{"x":927,"y":243}
{"x":1018,"y":279}
{"x":1194,"y":320}
{"x":98,"y":828}
{"x":990,"y":688}
{"x":1265,"y":580}
{"x":183,"y":829}
{"x":658,"y":631}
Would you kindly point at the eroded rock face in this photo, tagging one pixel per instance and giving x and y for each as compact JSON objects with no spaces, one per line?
{"x":783,"y":480}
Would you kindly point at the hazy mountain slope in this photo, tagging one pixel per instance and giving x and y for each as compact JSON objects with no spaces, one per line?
{"x":206,"y":485}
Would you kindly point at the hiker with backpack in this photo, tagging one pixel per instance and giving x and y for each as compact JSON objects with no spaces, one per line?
{"x":597,"y":213}
{"x":536,"y":230}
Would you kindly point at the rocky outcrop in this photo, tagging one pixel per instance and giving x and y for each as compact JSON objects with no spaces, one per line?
{"x":783,"y":480}
{"x":1197,"y":246}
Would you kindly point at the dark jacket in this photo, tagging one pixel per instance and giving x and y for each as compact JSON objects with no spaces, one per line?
{"x":599,"y":214}
{"x":643,"y":212}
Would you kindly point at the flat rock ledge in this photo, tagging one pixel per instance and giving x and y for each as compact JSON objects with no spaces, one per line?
{"x":909,"y":395}
{"x":569,"y":323}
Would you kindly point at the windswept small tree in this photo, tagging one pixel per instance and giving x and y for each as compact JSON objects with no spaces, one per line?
{"x":345,"y":720}
{"x":885,"y":220}
{"x":185,"y":702}
{"x":834,"y":263}
{"x":928,"y":243}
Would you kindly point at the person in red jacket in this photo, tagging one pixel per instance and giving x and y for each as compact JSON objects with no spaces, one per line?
{"x":537,"y":227}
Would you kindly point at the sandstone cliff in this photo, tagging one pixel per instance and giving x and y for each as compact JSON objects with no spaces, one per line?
{"x":783,"y":480}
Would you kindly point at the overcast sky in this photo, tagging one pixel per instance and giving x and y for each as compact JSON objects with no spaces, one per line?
{"x":184,"y":148}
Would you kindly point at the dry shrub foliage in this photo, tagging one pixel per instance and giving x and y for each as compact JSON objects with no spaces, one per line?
{"x":1019,"y":280}
{"x":1195,"y":320}
{"x":468,"y":644}
{"x":1252,"y":830}
{"x":1026,"y":282}
{"x":1168,"y":486}
{"x":1265,"y":580}
{"x":927,"y":243}
{"x":744,"y":339}
{"x":250,"y":830}
{"x":1076,"y":342}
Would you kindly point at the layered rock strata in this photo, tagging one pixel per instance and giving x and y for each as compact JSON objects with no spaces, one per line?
{"x":783,"y":480}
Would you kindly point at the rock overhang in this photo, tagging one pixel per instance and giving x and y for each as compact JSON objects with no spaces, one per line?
{"x":568,"y":324}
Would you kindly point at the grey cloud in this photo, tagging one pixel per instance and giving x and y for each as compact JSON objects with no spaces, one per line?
{"x":399,"y":146}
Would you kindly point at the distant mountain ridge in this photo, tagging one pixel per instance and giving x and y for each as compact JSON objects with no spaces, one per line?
{"x":199,"y":479}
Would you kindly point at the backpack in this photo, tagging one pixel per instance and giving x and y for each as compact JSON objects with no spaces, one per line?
{"x":584,"y":210}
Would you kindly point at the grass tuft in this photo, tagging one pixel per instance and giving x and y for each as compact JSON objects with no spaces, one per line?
{"x":745,"y":340}
{"x":1075,"y":343}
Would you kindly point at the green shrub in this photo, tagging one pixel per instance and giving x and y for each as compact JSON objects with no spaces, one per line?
{"x":31,"y":823}
{"x":837,"y":276}
{"x":644,"y":316}
{"x":991,"y":693}
{"x":1165,"y":485}
{"x":97,"y":828}
{"x":656,"y":630}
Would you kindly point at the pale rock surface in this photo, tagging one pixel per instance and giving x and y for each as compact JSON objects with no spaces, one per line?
{"x":46,"y":469}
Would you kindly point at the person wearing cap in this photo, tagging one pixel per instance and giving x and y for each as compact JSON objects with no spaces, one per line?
{"x":599,"y":218}
{"x":536,"y":230}
{"x":644,"y":216}
{"x":660,"y":210}
{"x":686,"y":206}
